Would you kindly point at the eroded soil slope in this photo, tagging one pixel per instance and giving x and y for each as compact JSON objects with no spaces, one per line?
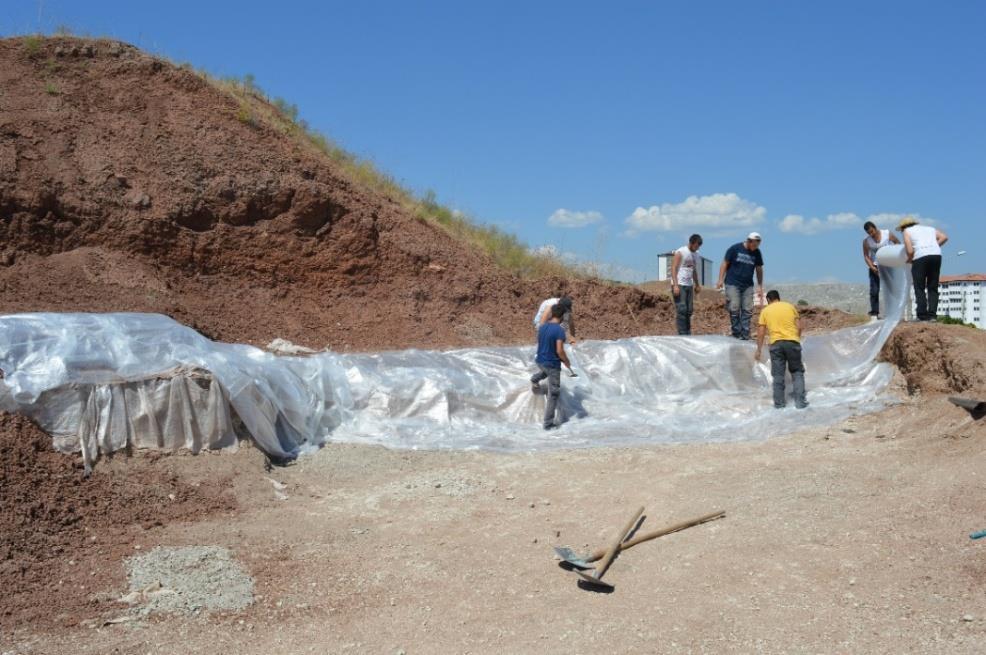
{"x":129,"y":184}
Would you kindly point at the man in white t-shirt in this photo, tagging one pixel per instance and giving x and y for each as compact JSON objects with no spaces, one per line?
{"x":875,"y":239}
{"x":923,"y":246}
{"x":543,"y":315}
{"x":684,"y":282}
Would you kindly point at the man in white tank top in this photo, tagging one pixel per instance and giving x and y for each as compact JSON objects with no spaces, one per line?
{"x":684,"y":282}
{"x":923,"y":246}
{"x":875,"y":239}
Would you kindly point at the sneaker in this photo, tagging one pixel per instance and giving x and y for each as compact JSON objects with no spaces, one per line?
{"x":551,"y":426}
{"x":779,"y":406}
{"x":802,"y":405}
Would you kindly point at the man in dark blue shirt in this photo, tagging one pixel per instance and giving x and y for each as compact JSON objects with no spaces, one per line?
{"x":551,"y":355}
{"x":741,"y":261}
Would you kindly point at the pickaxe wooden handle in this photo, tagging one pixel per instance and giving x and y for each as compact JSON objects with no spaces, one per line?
{"x":654,"y":535}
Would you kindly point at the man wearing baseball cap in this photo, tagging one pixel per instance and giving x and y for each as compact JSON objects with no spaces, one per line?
{"x":736,"y":274}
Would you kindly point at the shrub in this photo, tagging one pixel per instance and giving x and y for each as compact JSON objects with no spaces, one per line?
{"x":51,"y":89}
{"x":948,"y":320}
{"x":244,"y":115}
{"x":32,"y":44}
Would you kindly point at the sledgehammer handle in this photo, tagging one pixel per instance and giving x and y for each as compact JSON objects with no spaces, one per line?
{"x":659,"y":533}
{"x":615,"y":547}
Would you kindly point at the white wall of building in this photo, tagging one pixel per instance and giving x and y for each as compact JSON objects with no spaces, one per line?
{"x":964,"y":300}
{"x":707,"y":276}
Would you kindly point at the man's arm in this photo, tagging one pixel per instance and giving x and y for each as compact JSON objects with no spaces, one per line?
{"x":894,"y":239}
{"x":941,"y":237}
{"x":908,"y":247}
{"x":722,"y":273}
{"x":560,"y":349}
{"x":866,"y":257}
{"x":761,"y":333}
{"x":759,"y":270}
{"x":545,"y":315}
{"x":675,"y":265}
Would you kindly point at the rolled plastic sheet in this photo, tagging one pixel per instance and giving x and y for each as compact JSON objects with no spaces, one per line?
{"x":891,"y":255}
{"x":108,"y":380}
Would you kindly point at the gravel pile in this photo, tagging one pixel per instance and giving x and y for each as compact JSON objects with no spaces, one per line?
{"x":188,"y":580}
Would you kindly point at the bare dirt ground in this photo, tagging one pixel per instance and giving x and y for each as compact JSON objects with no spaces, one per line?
{"x":851,"y":538}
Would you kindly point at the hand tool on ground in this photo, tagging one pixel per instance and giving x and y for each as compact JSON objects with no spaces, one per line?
{"x":570,"y":556}
{"x":596,"y":578}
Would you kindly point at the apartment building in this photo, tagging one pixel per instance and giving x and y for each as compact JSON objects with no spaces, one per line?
{"x":963,"y":297}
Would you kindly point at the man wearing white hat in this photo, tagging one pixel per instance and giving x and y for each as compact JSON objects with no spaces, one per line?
{"x":923,"y":246}
{"x":736,"y":274}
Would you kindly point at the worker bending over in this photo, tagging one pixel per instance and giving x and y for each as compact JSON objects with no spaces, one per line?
{"x":783,"y":322}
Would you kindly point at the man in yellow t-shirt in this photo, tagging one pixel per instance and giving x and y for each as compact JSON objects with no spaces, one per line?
{"x":783,"y":322}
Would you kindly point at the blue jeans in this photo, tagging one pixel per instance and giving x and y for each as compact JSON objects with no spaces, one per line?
{"x":739,"y":304}
{"x":874,"y":293}
{"x":684,"y":305}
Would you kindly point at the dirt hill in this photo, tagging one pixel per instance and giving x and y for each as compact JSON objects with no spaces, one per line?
{"x":131,"y":184}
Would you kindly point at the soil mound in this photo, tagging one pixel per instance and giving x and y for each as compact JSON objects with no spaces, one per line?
{"x":938,"y":358}
{"x":130,"y":184}
{"x":59,"y":530}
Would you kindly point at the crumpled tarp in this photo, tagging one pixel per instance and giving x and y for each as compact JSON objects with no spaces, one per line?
{"x":103,"y":381}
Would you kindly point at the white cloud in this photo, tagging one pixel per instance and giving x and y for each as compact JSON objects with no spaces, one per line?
{"x":795,"y":223}
{"x":569,"y":218}
{"x":798,"y":223}
{"x":717,"y":211}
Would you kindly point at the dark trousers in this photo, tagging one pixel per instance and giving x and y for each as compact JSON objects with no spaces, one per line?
{"x":874,"y":292}
{"x":684,"y":304}
{"x":924,"y":273}
{"x":787,"y":354}
{"x":554,"y":390}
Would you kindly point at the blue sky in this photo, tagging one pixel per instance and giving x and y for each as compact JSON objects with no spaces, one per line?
{"x":633,"y":124}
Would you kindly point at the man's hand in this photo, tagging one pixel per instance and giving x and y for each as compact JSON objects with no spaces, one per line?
{"x":874,"y":268}
{"x":675,"y":290}
{"x":571,"y":341}
{"x":759,"y":352}
{"x":719,"y":285}
{"x":697,"y":288}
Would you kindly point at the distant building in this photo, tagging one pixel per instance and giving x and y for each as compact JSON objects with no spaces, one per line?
{"x":705,"y":273}
{"x":963,"y":297}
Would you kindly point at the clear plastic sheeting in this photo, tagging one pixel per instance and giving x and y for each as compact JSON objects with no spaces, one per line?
{"x":103,"y":381}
